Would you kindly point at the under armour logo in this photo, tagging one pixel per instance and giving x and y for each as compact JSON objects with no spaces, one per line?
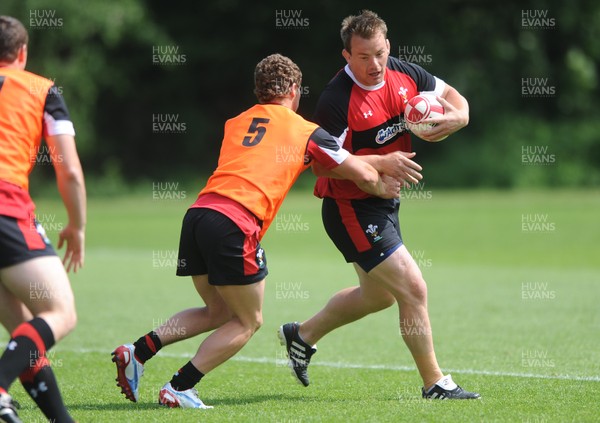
{"x":367,"y":114}
{"x":11,"y":345}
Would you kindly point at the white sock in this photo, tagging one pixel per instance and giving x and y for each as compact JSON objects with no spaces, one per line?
{"x":447,"y":383}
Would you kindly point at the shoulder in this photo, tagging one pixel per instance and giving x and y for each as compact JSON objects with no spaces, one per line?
{"x":22,"y":74}
{"x":422,"y":78}
{"x":339,"y":86}
{"x":332,"y":108}
{"x":38,"y":79}
{"x":33,"y":83}
{"x":278,"y":117}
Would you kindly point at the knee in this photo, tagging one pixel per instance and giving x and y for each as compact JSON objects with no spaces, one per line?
{"x":71,"y":321}
{"x":67,"y":313}
{"x":219,"y":315}
{"x":68,"y":321}
{"x":61,"y":322}
{"x":259,"y":322}
{"x":381,"y":302}
{"x":416,"y":291}
{"x":253,"y":323}
{"x":386,"y":302}
{"x":256,"y":323}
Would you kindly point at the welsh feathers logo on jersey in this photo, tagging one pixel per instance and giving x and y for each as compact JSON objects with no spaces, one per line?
{"x":402,"y":91}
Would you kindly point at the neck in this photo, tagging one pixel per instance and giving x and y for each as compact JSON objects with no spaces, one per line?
{"x":285,"y":102}
{"x":12,"y":65}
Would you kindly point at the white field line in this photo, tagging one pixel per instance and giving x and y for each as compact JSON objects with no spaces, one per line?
{"x":339,"y":365}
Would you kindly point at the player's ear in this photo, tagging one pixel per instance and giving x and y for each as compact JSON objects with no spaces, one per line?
{"x":346,"y":55}
{"x":294,"y":95}
{"x":387,"y":45}
{"x":22,"y":56}
{"x":294,"y":91}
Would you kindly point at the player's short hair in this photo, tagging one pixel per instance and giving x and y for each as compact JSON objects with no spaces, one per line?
{"x":274,"y":76}
{"x":13,"y":36}
{"x":366,"y":25}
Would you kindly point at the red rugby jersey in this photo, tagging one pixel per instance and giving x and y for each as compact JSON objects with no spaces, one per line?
{"x":369,"y":120}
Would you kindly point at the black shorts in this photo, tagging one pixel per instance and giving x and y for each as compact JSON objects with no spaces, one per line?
{"x":22,"y":240}
{"x":211,"y":243}
{"x":365,"y":231}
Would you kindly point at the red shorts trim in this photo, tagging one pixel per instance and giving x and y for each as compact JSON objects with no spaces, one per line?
{"x":362,"y":230}
{"x":29,"y":229}
{"x":220,"y":238}
{"x":350,"y":221}
{"x":22,"y":240}
{"x":15,"y":201}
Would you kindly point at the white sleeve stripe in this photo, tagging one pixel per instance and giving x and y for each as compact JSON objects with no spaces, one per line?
{"x":57,"y":127}
{"x":440,"y":86}
{"x":337,"y":156}
{"x":340,"y":140}
{"x":63,"y":127}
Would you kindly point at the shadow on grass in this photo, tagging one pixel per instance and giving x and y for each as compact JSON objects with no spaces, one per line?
{"x":115,"y":406}
{"x":252,"y":399}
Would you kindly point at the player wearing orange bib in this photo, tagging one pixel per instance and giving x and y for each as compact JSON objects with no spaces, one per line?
{"x":36,"y":300}
{"x":264,"y":150}
{"x":22,"y":129}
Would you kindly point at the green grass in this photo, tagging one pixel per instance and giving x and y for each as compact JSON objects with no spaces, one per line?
{"x":515,"y":315}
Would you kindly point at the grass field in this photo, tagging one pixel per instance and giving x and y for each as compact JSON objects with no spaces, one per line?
{"x":514,"y":288}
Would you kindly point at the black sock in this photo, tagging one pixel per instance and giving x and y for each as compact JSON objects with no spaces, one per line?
{"x":40,"y":384}
{"x":147,"y":346}
{"x":186,"y":378}
{"x":28,"y":342}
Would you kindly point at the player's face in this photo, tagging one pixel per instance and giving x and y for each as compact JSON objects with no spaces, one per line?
{"x":368,"y":58}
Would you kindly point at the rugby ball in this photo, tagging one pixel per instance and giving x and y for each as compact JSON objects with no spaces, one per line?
{"x":419,"y":108}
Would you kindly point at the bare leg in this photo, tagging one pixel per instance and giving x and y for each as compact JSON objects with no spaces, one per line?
{"x":12,"y":310}
{"x":396,"y":278}
{"x":42,"y":285}
{"x":37,"y":288}
{"x":346,"y":306}
{"x":402,"y":277}
{"x":194,"y":321}
{"x":245,"y":303}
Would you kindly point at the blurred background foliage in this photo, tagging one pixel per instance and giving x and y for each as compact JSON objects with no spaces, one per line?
{"x":102,"y":56}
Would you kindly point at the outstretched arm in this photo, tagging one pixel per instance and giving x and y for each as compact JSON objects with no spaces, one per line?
{"x":71,"y":185}
{"x":397,"y":165}
{"x":367,"y":178}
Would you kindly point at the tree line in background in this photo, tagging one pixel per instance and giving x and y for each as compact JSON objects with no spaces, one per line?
{"x":150,"y":84}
